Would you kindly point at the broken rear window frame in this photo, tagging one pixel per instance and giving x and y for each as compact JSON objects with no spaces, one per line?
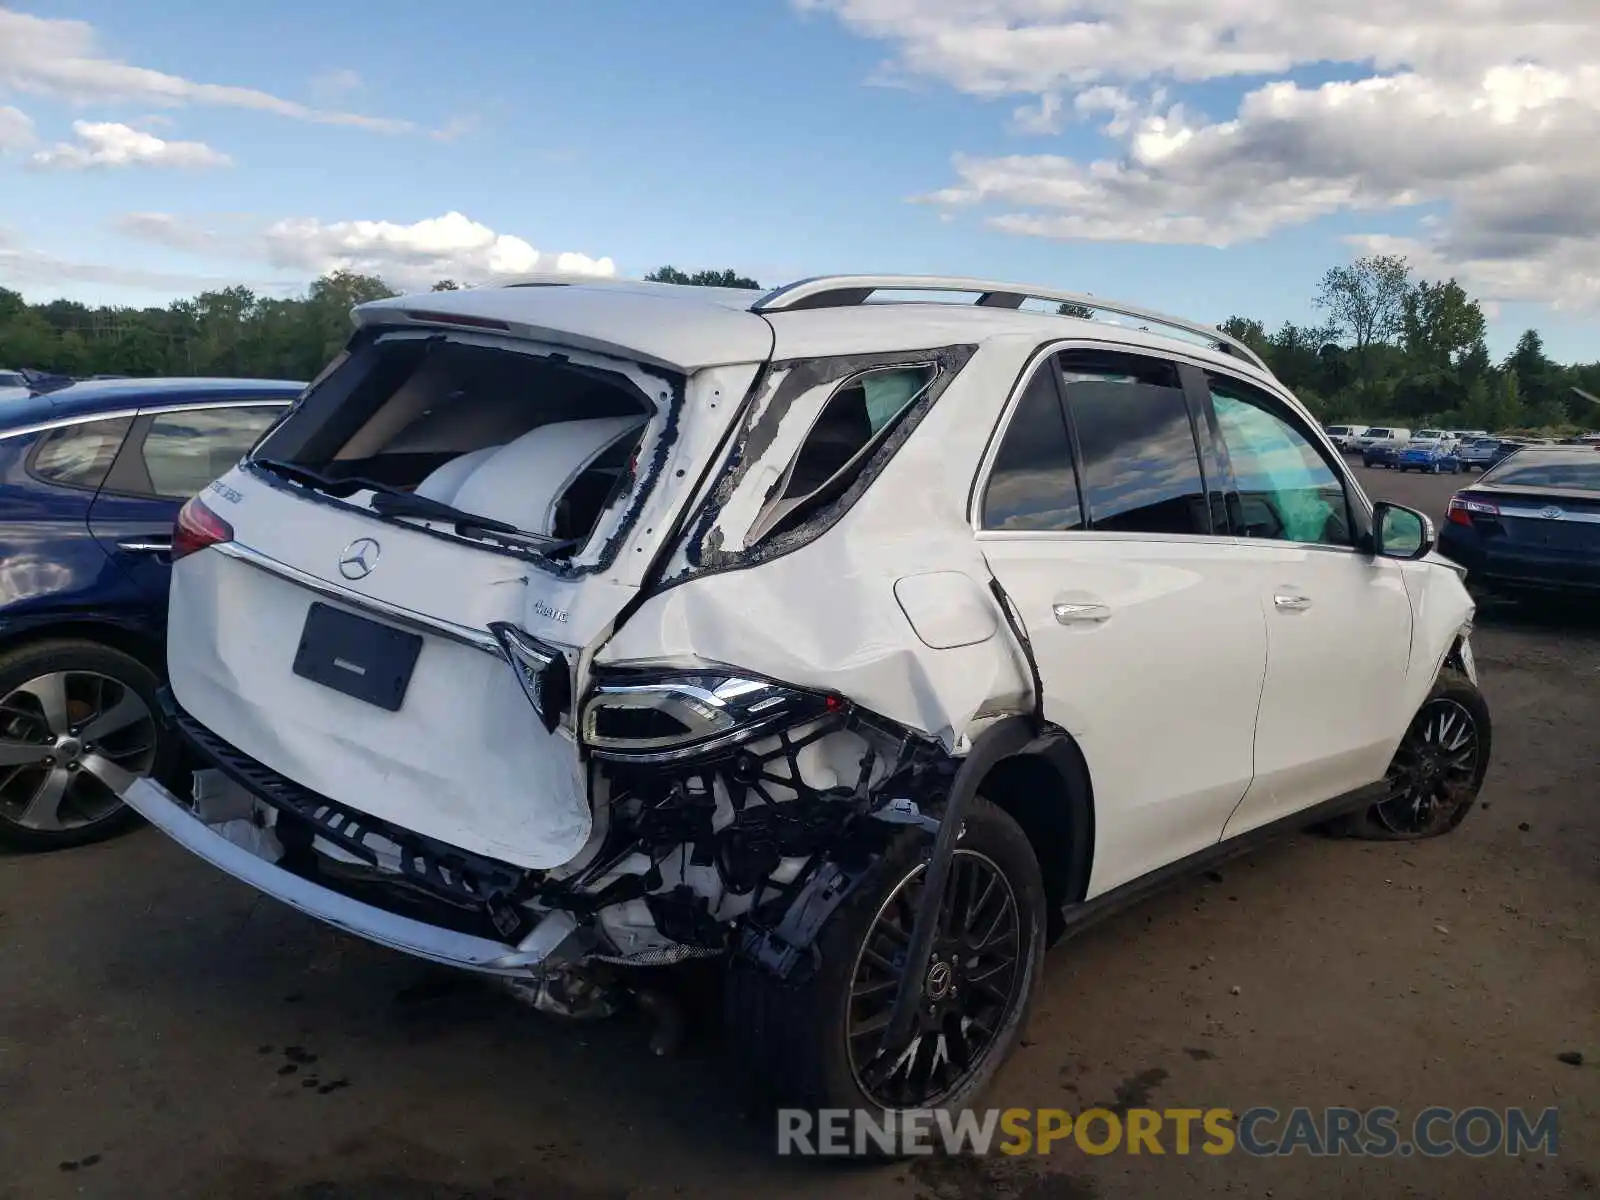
{"x":667,"y":408}
{"x":758,"y":427}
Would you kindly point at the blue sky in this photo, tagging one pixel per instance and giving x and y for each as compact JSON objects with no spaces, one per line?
{"x":780,"y":137}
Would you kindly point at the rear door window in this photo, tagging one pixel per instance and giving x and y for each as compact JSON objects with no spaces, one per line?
{"x":79,"y":455}
{"x":1033,"y":485}
{"x":1138,"y":458}
{"x":185,"y":451}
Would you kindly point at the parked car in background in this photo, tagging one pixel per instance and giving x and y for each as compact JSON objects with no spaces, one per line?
{"x":1432,"y":435}
{"x":1343,"y":435}
{"x":1430,"y":457}
{"x":1506,"y":447}
{"x":1380,"y":454}
{"x":817,"y":658}
{"x":1530,"y":525}
{"x":91,"y":480}
{"x":22,"y":381}
{"x":1479,"y":453}
{"x":1469,"y":435}
{"x":1377,"y":434}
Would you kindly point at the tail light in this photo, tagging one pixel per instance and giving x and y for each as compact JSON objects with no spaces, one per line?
{"x":1461,"y":509}
{"x":197,"y":528}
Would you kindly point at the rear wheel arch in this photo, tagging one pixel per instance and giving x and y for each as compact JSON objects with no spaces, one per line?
{"x":1046,"y":788}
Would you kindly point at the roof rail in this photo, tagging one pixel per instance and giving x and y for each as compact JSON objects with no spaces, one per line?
{"x":843,"y":291}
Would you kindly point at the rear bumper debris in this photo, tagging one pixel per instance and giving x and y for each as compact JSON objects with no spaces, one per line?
{"x":231,"y":846}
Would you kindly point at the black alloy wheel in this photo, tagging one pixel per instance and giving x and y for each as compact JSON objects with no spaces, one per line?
{"x":1435,"y":772}
{"x":969,"y":988}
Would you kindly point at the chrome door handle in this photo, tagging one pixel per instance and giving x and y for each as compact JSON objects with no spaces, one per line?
{"x":1292,"y":603}
{"x":1072,"y":614}
{"x":149,"y":546}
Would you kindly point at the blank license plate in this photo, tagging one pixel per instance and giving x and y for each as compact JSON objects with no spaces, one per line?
{"x":361,"y":658}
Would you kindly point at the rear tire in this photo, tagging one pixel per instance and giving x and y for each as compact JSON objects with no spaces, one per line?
{"x":78,"y":720}
{"x":805,"y":1041}
{"x":1437,"y":771}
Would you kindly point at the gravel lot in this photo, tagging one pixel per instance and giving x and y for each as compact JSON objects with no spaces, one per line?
{"x":166,"y":1033}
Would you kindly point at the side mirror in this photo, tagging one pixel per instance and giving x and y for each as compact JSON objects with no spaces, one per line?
{"x":1399,"y":532}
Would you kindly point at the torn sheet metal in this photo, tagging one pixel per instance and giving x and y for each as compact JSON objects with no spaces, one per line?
{"x":826,"y":615}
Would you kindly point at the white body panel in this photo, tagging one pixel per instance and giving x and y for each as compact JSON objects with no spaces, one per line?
{"x":1160,"y":693}
{"x":425,"y":768}
{"x":1338,"y":657}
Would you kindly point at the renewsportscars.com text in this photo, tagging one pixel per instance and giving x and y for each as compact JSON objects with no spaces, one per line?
{"x":1260,"y":1132}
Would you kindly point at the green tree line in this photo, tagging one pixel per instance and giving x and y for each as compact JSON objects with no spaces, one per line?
{"x":1388,"y":347}
{"x":1395,"y":349}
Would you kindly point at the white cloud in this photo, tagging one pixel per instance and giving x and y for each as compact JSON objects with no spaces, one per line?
{"x":1486,"y":112}
{"x":16,"y":129}
{"x":109,"y":144}
{"x":62,"y":59}
{"x":996,"y":47}
{"x":416,"y":254}
{"x":407,"y":256}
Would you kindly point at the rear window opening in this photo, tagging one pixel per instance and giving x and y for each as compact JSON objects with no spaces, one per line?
{"x":496,"y":444}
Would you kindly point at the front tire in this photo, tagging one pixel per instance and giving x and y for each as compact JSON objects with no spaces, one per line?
{"x":78,"y":722}
{"x":818,"y":1043}
{"x":1437,"y":771}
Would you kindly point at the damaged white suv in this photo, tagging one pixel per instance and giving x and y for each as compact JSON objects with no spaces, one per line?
{"x":863,"y":642}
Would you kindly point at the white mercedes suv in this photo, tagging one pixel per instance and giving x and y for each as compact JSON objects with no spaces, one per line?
{"x":865,"y":635}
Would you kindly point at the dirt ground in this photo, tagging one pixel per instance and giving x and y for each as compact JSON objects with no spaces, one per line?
{"x":164,"y":1032}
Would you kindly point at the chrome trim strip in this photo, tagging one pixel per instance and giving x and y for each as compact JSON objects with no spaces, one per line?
{"x":155,"y":411}
{"x":478,"y":639}
{"x":62,"y":422}
{"x":1537,"y":514}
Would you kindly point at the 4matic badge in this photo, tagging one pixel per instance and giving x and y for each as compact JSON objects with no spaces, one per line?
{"x":541,"y":609}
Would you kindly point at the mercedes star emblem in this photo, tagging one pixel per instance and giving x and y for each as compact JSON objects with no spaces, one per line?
{"x":358,"y":559}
